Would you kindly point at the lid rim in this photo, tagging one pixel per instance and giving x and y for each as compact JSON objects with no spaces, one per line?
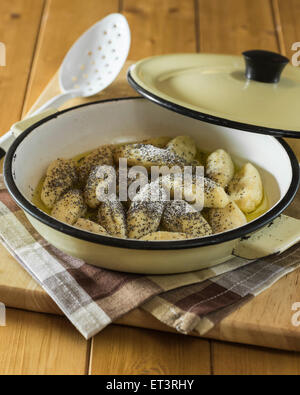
{"x":208,"y":117}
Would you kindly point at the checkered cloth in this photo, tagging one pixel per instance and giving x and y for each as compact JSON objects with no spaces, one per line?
{"x":92,"y":298}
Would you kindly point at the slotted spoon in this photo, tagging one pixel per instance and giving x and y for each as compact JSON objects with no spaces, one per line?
{"x":91,"y":65}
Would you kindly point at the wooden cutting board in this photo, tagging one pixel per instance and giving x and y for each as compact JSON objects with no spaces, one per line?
{"x":265,"y":321}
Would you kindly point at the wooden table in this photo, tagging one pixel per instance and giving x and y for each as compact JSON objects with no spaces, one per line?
{"x":37,"y":34}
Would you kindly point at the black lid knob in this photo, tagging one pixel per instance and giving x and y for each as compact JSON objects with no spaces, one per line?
{"x":264,"y":66}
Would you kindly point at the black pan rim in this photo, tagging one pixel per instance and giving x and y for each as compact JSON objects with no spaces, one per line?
{"x":234,"y":234}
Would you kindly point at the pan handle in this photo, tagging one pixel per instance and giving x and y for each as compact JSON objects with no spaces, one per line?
{"x":19,"y":127}
{"x":275,"y":238}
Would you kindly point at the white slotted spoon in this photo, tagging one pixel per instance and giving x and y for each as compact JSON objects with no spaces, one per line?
{"x":91,"y":65}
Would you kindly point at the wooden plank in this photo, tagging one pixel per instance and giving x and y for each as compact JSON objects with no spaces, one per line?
{"x":160,"y":27}
{"x":19,"y":25}
{"x":122,"y":350}
{"x":287,"y":14}
{"x":232,"y":359}
{"x":233,"y":26}
{"x":34,"y":343}
{"x":63,"y":22}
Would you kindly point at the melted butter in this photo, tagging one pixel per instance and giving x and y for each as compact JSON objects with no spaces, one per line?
{"x":201,"y":156}
{"x":260,"y":210}
{"x":36,"y":198}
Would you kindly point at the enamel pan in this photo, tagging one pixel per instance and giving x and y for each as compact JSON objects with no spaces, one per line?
{"x":81,"y":129}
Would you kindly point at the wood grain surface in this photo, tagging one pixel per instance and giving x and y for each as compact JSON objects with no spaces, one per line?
{"x":34,"y":343}
{"x":19,"y":28}
{"x":132,"y":351}
{"x":232,"y":359}
{"x":160,"y":26}
{"x":41,"y":343}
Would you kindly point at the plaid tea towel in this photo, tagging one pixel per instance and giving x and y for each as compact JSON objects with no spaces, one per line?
{"x":92,"y":298}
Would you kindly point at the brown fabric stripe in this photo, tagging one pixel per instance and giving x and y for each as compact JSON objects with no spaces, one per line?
{"x":211,"y":298}
{"x":217,"y":316}
{"x":184,"y":292}
{"x":8,"y":201}
{"x":130,"y":296}
{"x":100,"y":283}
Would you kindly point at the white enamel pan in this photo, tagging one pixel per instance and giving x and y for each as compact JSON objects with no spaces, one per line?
{"x":80,"y":129}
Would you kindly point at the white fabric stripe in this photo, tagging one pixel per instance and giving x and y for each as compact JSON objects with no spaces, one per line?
{"x":87,"y":327}
{"x":26,"y":247}
{"x":274,"y":278}
{"x":88,"y":319}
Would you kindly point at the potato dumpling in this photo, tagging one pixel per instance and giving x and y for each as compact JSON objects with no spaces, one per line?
{"x":70,"y":207}
{"x":181,"y":217}
{"x":145,"y":212}
{"x":111,"y":216}
{"x":90,"y":226}
{"x":100,"y":176}
{"x":219,"y":167}
{"x":61,"y":175}
{"x":147,"y":156}
{"x":161,"y":236}
{"x":184,"y":147}
{"x":212,"y":196}
{"x":100,"y":156}
{"x":246,"y":188}
{"x":159,"y":142}
{"x":223,"y":219}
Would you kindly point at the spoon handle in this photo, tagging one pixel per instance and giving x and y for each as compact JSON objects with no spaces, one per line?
{"x":57,"y":101}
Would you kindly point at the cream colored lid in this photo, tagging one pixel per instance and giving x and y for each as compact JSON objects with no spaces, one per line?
{"x":214,"y":88}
